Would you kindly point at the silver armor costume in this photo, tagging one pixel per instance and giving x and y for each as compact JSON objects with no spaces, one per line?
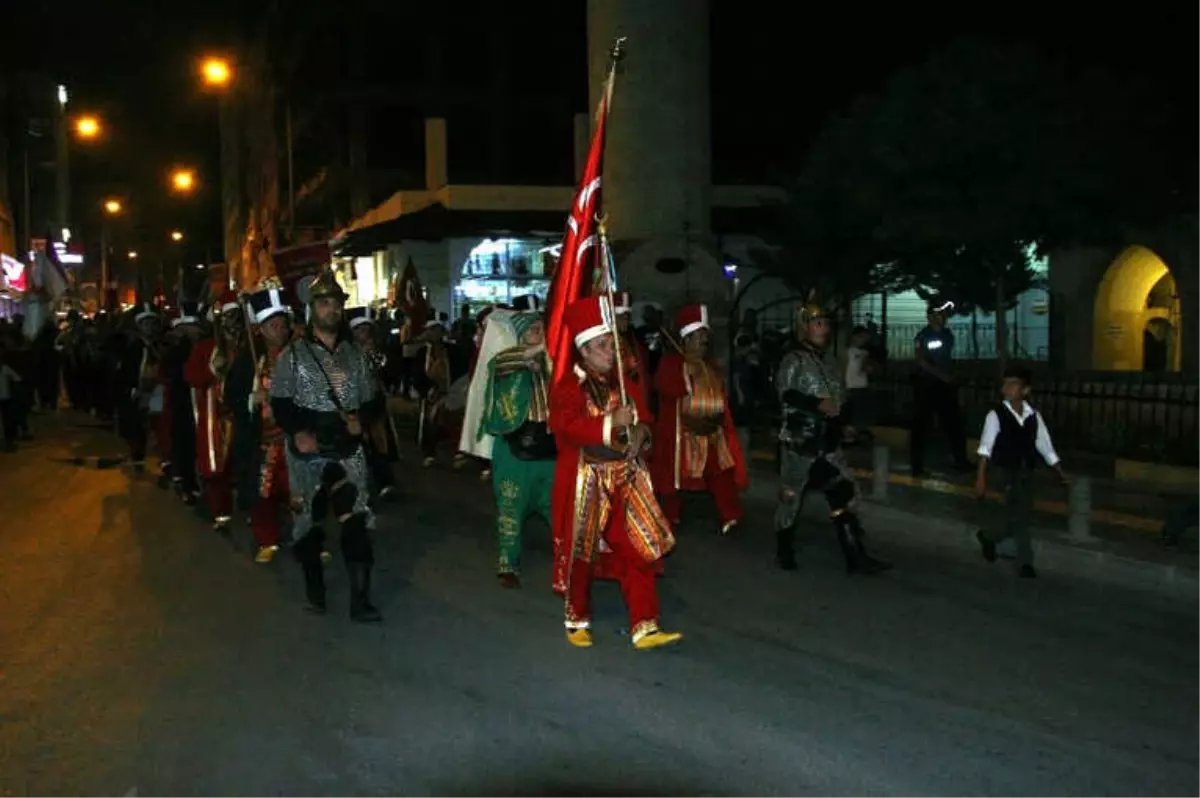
{"x":813,"y":373}
{"x":308,"y":374}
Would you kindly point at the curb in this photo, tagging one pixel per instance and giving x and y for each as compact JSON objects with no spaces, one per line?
{"x":1050,"y":557}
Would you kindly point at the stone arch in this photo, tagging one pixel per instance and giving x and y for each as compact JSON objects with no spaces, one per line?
{"x":1136,"y":294}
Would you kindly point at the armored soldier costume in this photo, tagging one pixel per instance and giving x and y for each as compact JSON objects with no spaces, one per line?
{"x":811,"y":395}
{"x":323,"y":396}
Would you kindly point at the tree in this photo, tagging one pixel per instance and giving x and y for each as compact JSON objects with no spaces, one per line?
{"x":966,"y":163}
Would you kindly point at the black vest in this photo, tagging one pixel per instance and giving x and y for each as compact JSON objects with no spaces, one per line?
{"x":1016,"y":445}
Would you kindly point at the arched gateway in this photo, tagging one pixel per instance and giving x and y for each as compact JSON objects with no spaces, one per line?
{"x":1137,"y":321}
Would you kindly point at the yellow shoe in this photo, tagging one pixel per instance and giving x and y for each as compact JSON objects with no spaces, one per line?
{"x":580,"y":638}
{"x":655,"y":639}
{"x":266,"y":554}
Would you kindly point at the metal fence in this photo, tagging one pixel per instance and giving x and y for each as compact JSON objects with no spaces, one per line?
{"x":1141,"y":417}
{"x":1027,"y":342}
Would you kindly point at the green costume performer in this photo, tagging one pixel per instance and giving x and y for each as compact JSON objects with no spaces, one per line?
{"x":516,"y":409}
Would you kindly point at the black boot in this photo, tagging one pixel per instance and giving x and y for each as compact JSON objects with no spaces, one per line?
{"x":850,"y":537}
{"x":785,"y":549}
{"x":361,"y":609}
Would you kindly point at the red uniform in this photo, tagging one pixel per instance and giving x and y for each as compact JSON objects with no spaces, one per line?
{"x":604,"y":512}
{"x":214,"y":429}
{"x":273,"y":494}
{"x":696,"y":446}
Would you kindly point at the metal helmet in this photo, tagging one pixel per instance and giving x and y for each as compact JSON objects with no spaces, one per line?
{"x":325,"y":286}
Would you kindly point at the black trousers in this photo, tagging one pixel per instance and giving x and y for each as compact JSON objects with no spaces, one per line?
{"x":133,"y":422}
{"x":8,"y":421}
{"x":933,"y":398}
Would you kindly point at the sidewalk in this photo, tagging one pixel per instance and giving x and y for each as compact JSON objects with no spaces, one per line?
{"x":940,"y":510}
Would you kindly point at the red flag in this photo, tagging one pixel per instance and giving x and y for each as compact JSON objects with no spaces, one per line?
{"x":412,"y":298}
{"x":573,"y":276}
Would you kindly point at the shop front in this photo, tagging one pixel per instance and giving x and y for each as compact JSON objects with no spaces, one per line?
{"x":498,"y":270}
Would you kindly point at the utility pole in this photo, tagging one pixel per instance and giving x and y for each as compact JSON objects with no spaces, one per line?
{"x":62,"y":165}
{"x":291,"y":174}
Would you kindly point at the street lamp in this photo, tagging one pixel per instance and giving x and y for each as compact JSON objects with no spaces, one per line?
{"x":183,"y":180}
{"x":216,"y":71}
{"x":87,"y":127}
{"x":112,"y":207}
{"x":132,"y":255}
{"x":176,"y":235}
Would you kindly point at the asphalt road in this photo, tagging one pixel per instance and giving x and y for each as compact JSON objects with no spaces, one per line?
{"x":139,"y":652}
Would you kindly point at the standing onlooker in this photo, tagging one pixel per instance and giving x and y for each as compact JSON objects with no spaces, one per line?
{"x":934,"y":391}
{"x":855,"y":410}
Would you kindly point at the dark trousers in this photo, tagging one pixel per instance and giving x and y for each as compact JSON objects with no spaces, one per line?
{"x":934,"y":398}
{"x":132,"y":422}
{"x":1018,"y":507}
{"x":8,"y":421}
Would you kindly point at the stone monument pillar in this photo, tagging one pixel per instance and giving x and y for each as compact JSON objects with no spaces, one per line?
{"x":658,"y":162}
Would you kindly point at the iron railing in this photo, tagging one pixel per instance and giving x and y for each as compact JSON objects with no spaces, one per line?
{"x":1136,"y":416}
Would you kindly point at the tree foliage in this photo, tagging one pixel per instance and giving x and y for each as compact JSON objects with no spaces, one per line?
{"x":963,"y":163}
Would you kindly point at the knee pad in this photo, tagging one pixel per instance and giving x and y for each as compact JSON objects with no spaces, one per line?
{"x":839,"y":495}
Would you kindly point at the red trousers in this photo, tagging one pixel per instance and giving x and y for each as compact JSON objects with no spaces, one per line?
{"x":721,"y":484}
{"x":637,"y":587}
{"x":264,"y":516}
{"x":218,"y":491}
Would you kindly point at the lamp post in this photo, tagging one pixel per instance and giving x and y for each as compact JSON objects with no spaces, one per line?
{"x":217,"y":75}
{"x":112,"y":207}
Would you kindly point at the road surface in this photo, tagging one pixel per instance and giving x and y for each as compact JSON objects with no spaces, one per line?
{"x":141,"y":653}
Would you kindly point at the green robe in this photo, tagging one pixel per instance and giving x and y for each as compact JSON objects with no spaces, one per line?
{"x":514,"y":395}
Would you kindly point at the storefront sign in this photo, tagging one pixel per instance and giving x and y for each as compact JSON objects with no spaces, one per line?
{"x":15,"y":275}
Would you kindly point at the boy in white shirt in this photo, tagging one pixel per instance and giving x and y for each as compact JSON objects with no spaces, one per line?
{"x":1014,"y":438}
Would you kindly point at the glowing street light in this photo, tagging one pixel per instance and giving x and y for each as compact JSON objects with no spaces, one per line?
{"x":112,"y":207}
{"x":216,"y":71}
{"x":176,"y":235}
{"x":183,"y":180}
{"x":132,"y":254}
{"x":88,"y":127}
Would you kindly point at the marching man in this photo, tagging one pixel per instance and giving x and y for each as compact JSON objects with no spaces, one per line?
{"x":260,"y":457}
{"x":206,"y":371}
{"x":323,"y":397}
{"x":696,"y":444}
{"x":516,"y":409}
{"x":602,"y":497}
{"x":811,"y":394}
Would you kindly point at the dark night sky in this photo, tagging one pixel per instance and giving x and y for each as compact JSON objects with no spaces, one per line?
{"x":774,"y":78}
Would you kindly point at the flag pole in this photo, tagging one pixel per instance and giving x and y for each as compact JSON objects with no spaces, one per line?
{"x":614,"y":57}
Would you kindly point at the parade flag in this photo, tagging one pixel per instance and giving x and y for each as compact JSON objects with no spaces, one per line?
{"x":412,"y":297}
{"x":575,"y":273}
